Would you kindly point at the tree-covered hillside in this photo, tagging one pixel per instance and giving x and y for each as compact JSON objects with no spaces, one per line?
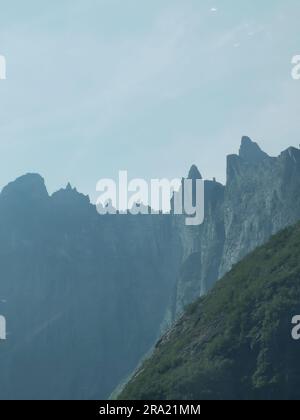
{"x":235,"y":343}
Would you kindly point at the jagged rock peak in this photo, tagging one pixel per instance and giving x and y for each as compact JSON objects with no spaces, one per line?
{"x":69,"y":195}
{"x":31,"y":185}
{"x":70,"y":188}
{"x":194,"y":173}
{"x":250,"y":151}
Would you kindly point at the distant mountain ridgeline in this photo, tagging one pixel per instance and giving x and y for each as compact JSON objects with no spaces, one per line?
{"x":86,"y":296}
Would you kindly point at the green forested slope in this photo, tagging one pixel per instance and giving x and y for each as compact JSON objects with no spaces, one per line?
{"x":236,"y":342}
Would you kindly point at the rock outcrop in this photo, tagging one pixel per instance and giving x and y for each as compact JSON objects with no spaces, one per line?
{"x":261,"y":197}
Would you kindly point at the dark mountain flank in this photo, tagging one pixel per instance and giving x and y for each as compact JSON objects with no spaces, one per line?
{"x":236,"y":342}
{"x":84,"y":295}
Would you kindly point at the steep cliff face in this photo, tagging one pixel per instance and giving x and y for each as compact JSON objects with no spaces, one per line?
{"x":261,"y":197}
{"x":202,"y":249}
{"x":84,"y":295}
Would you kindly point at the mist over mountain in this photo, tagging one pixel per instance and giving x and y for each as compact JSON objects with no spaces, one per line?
{"x":87,"y":296}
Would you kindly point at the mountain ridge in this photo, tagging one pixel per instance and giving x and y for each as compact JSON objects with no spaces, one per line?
{"x":79,"y":283}
{"x":260,"y":197}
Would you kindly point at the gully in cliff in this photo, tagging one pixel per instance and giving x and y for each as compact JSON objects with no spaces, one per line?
{"x":2,"y":328}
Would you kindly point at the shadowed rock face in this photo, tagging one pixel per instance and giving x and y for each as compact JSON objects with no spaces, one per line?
{"x":84,"y":295}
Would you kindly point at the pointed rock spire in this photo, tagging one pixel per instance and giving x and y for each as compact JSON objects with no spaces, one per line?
{"x":194,"y":173}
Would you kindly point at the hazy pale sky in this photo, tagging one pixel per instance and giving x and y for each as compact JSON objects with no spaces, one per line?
{"x":152,"y":86}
